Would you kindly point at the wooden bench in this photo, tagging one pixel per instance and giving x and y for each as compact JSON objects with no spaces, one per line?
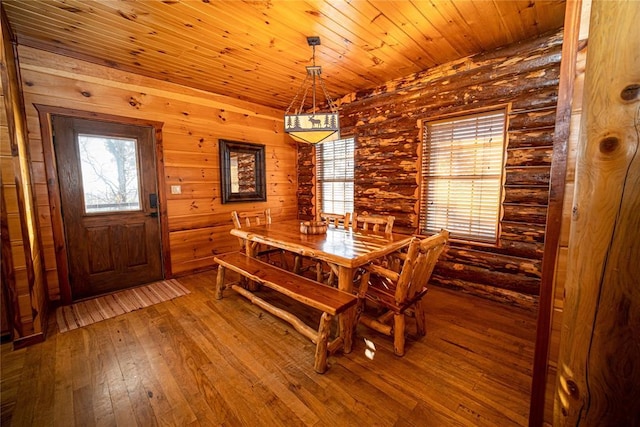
{"x":330,"y":301}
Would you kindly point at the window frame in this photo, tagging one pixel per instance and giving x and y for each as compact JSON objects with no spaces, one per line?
{"x":319,"y":167}
{"x":423,"y":177}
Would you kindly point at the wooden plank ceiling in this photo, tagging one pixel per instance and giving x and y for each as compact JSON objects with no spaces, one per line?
{"x":257,"y":50}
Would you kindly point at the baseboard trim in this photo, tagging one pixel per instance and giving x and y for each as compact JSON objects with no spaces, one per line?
{"x":27,"y":341}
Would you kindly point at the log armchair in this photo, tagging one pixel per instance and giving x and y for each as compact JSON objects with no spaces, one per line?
{"x":248,"y":219}
{"x":395,"y":293}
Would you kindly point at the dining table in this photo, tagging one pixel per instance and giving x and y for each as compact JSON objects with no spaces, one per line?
{"x":344,"y":248}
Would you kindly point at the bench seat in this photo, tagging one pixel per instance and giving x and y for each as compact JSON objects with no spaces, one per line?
{"x":330,"y":301}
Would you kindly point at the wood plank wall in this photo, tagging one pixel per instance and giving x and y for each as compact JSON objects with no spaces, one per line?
{"x":563,"y":249}
{"x":22,"y":269}
{"x":384,"y":121}
{"x":193,"y":122}
{"x":563,"y":244}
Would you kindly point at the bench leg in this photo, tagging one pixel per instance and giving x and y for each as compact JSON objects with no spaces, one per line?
{"x":324,"y":329}
{"x":220,"y":282}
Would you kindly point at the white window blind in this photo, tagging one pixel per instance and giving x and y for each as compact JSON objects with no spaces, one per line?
{"x":462,"y":163}
{"x":335,"y":175}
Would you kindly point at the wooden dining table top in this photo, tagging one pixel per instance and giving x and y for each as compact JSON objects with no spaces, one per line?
{"x":343,"y":247}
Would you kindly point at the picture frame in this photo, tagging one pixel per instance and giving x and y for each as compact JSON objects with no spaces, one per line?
{"x":242,"y":171}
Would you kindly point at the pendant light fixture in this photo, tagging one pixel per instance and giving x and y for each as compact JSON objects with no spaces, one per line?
{"x":311,"y":126}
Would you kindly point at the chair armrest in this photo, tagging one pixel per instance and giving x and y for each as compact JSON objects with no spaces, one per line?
{"x":389,"y":274}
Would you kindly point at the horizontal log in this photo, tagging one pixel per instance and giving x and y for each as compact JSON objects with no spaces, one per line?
{"x":538,"y":175}
{"x":529,"y":157}
{"x":385,"y":175}
{"x":520,"y":249}
{"x":396,"y":190}
{"x":502,"y":296}
{"x":526,"y":195}
{"x":512,"y":282}
{"x":525,"y":214}
{"x":531,"y":250}
{"x":390,"y":204}
{"x":530,"y":138}
{"x":492,"y":261}
{"x":517,"y":231}
{"x":385,"y":147}
{"x":541,"y":98}
{"x":532,"y":120}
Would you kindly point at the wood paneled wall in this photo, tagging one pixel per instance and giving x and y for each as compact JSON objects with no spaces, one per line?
{"x":563,"y":243}
{"x":598,"y":369}
{"x":384,"y":122}
{"x":23,"y":276}
{"x":193,"y":121}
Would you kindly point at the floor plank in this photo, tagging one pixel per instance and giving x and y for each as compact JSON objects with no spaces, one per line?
{"x":199,"y":361}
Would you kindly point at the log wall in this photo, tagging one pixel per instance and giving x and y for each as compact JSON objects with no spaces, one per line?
{"x":193,"y":121}
{"x":384,"y":122}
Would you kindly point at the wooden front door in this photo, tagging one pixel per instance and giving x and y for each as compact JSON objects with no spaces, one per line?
{"x":108,"y":193}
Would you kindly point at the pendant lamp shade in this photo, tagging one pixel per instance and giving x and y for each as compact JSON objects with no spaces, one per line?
{"x":309,"y":125}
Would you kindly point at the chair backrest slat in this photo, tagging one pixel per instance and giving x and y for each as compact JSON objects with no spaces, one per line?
{"x":337,"y":220}
{"x":372,"y":222}
{"x":250,"y":219}
{"x":418,"y":266}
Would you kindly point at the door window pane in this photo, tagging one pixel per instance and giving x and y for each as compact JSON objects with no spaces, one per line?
{"x":109,"y":173}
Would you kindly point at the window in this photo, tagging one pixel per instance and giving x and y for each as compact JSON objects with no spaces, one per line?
{"x":462,"y":164}
{"x":335,"y":171}
{"x":109,"y":168}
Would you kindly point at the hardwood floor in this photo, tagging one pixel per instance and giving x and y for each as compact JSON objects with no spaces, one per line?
{"x":198,"y":361}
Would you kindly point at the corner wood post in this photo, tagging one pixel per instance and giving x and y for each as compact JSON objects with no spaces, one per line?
{"x":598,"y":367}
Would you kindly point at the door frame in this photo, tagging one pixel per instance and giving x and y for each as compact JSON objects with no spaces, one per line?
{"x":53,"y":188}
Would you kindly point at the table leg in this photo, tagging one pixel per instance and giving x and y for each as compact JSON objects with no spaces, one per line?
{"x":347,"y":318}
{"x":251,"y":250}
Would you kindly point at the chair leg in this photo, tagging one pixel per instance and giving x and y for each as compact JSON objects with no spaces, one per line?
{"x":398,"y":334}
{"x":420,"y":319}
{"x":319,"y":272}
{"x":297,"y":264}
{"x":283,"y":261}
{"x":220,"y":282}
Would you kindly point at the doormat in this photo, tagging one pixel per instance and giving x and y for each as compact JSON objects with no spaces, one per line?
{"x":94,"y":310}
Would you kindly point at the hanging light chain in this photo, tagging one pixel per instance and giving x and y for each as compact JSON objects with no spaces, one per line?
{"x":304,"y":87}
{"x":313,"y":72}
{"x":332,"y":105}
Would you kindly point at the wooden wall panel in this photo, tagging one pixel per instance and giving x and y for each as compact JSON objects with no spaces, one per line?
{"x":384,"y":121}
{"x":22,"y":247}
{"x":193,"y":121}
{"x":565,"y":228}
